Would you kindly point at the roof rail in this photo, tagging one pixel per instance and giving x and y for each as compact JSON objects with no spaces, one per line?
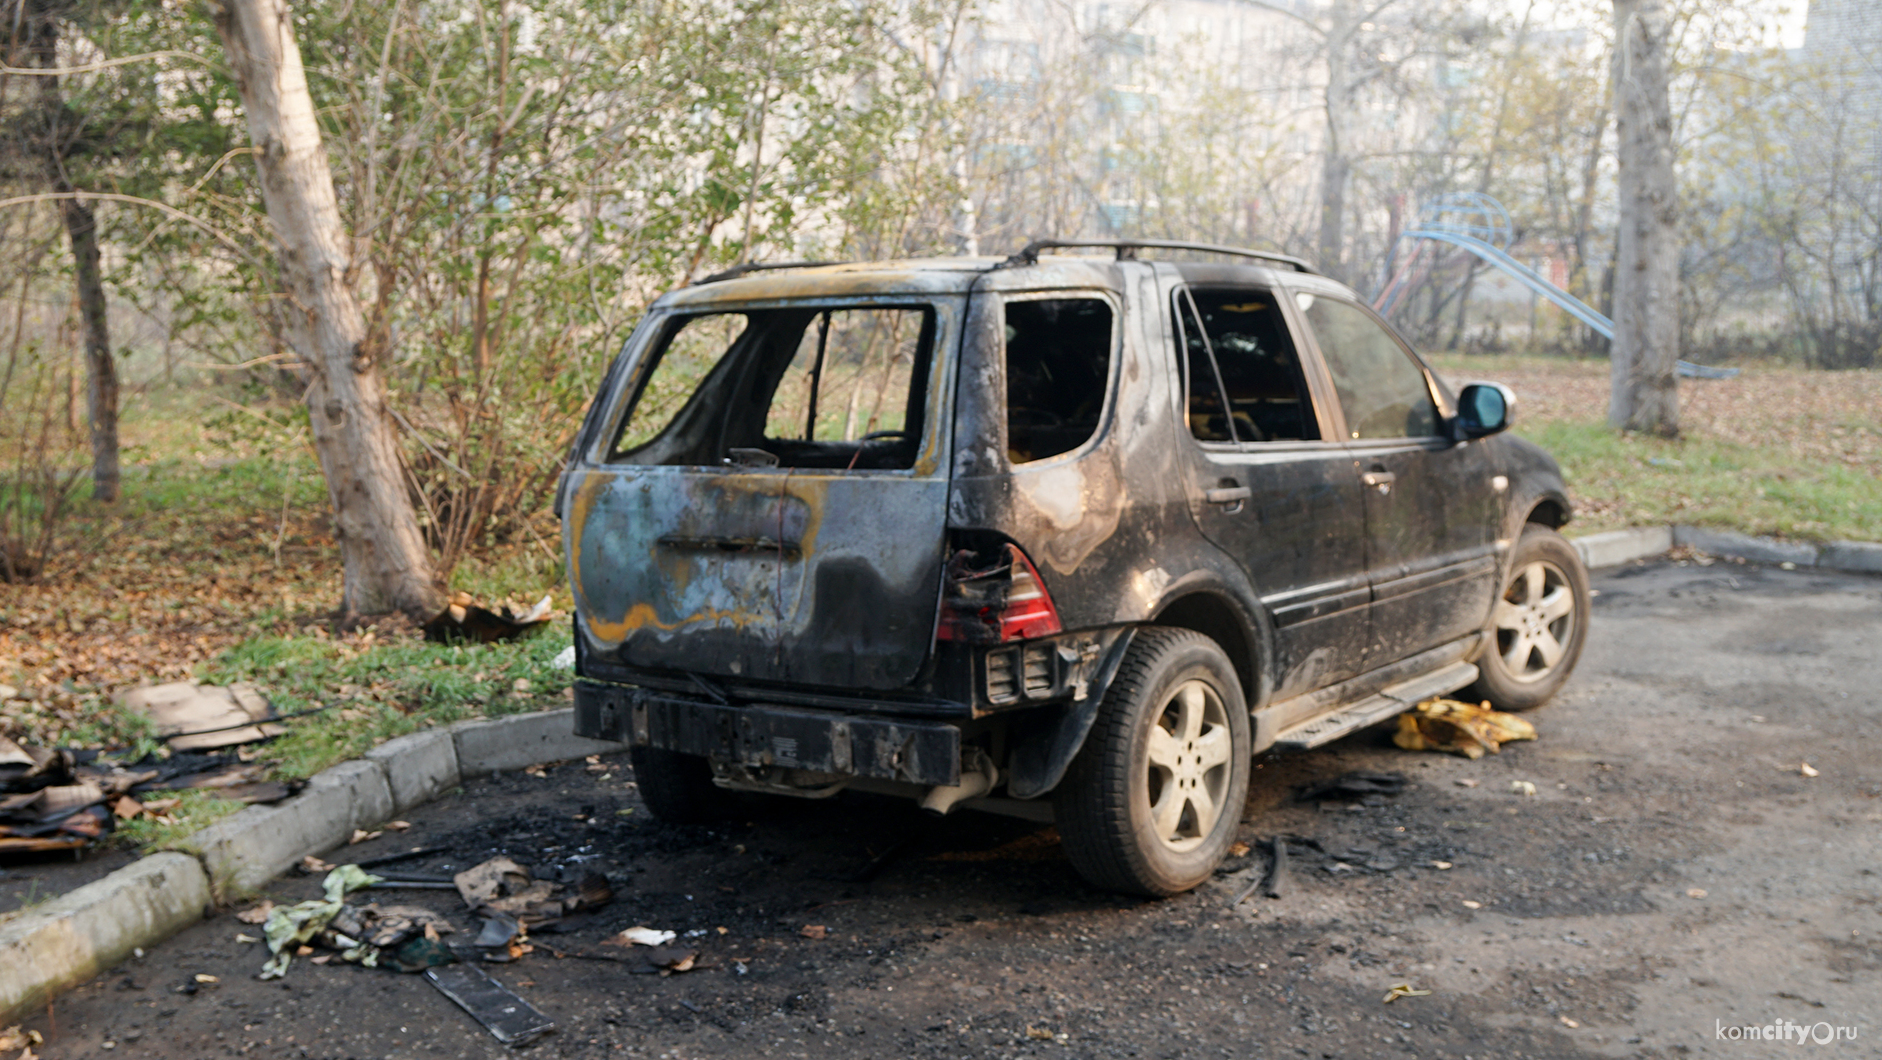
{"x":736,"y":271}
{"x":1127,"y":251}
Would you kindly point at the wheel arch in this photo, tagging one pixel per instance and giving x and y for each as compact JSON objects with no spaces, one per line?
{"x":1216,"y":617}
{"x":1550,"y":510}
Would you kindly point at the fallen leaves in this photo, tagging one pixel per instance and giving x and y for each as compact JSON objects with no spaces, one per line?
{"x":256,"y":914}
{"x":1399,"y":990}
{"x":814,"y":931}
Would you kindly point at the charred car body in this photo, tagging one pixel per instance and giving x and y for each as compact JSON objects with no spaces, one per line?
{"x":1067,"y":537}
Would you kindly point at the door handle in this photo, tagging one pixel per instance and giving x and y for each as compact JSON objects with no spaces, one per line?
{"x":1379,"y":480}
{"x":1232,"y":495}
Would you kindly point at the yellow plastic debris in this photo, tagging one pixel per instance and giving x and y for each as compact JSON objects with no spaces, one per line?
{"x":1459,"y":728}
{"x":1403,"y":990}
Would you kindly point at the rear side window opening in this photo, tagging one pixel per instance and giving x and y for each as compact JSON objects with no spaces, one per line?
{"x":829,"y":387}
{"x":1242,"y":373}
{"x":1058,"y":370}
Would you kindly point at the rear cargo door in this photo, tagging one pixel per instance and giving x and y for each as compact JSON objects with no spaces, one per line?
{"x":767,"y":498}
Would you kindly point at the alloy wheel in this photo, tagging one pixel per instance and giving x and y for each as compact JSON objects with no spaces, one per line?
{"x":1188,"y":760}
{"x":1535,"y":621}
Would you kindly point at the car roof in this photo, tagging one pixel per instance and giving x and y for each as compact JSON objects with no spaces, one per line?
{"x":950,"y":276}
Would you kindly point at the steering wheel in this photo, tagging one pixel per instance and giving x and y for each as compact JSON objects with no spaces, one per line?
{"x":877,"y":436}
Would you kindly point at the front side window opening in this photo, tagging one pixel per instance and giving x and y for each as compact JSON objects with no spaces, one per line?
{"x":1240,"y":335}
{"x":835,"y":387}
{"x":1058,"y":369}
{"x":1383,"y":393}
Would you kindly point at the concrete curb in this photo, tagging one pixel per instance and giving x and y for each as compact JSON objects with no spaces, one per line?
{"x":1862,"y":556}
{"x":1616,"y":547}
{"x":1744,"y":546}
{"x":494,"y":744}
{"x":72,"y":938}
{"x":1623,"y":546}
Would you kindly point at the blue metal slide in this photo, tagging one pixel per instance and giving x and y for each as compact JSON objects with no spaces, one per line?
{"x":1528,"y":277}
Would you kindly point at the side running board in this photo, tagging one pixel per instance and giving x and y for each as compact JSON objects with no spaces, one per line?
{"x":1387,"y":702}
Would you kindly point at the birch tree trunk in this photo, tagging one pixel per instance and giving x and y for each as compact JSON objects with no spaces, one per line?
{"x":1644,"y":394}
{"x":1335,"y":166}
{"x":386,"y":565}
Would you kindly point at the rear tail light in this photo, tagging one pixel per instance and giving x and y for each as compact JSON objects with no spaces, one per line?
{"x":994,"y":602}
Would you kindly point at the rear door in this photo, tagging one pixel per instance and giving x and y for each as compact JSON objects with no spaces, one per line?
{"x":767,"y":498}
{"x":1431,"y":503}
{"x":1269,"y":485}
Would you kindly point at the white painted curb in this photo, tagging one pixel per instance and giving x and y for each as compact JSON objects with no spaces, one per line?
{"x":1862,"y":556}
{"x":1623,"y":546}
{"x":1616,"y":547}
{"x":492,"y":744}
{"x":72,"y":938}
{"x":1744,"y":546}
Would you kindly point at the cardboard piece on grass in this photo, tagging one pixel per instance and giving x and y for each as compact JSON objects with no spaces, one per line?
{"x":12,"y":754}
{"x":463,"y":619}
{"x":193,"y":717}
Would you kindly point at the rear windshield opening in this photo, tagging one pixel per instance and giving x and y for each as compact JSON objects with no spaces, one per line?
{"x":834,"y":387}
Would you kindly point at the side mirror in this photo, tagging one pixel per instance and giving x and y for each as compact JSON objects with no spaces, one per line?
{"x":1484,"y":409}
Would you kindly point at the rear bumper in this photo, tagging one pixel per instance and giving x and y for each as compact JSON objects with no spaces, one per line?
{"x":762,"y":734}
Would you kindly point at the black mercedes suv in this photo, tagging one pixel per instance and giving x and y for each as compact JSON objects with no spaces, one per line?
{"x":1068,"y":536}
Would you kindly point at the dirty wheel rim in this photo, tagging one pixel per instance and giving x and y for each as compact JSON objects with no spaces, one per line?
{"x":1535,"y":621}
{"x":1188,"y":765}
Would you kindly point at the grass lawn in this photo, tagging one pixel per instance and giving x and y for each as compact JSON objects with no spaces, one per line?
{"x":219,"y":564}
{"x":1776,"y":451}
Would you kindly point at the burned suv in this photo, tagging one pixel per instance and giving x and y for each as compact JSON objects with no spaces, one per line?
{"x":1063,"y":536}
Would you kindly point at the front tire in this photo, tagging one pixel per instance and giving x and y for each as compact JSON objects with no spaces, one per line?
{"x":1152,"y":801}
{"x":1538,"y":625}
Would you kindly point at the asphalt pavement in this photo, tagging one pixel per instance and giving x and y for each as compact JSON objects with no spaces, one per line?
{"x":1678,"y":882}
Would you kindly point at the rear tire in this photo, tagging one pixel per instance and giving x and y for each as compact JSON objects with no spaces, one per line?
{"x":678,"y":788}
{"x":1152,"y":801}
{"x":1538,"y":625}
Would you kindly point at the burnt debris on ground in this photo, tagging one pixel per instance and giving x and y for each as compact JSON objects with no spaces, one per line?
{"x":58,"y":799}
